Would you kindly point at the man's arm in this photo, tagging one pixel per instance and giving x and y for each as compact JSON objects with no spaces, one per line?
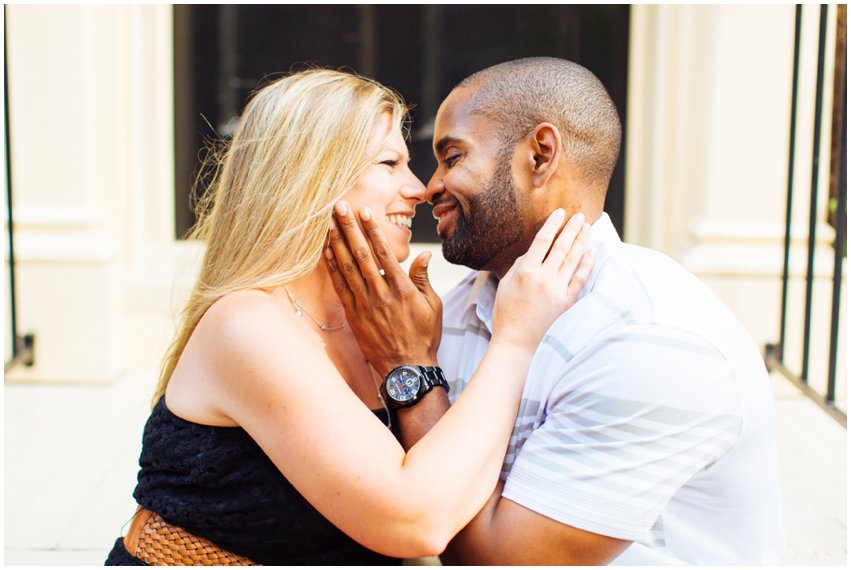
{"x":416,"y":421}
{"x":504,"y":532}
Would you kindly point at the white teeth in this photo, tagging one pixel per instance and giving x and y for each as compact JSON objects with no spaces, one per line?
{"x":399,"y":220}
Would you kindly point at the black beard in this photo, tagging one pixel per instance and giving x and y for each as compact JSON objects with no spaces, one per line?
{"x":494,"y":225}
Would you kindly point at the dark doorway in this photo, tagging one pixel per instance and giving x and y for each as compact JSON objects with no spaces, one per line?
{"x":222,"y":53}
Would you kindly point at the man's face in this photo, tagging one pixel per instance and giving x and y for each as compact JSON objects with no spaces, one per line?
{"x":473,"y":192}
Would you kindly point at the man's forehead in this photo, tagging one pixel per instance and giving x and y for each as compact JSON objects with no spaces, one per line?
{"x":456,"y":124}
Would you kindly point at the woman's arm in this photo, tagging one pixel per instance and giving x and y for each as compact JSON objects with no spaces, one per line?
{"x":282,"y":388}
{"x":293,"y":402}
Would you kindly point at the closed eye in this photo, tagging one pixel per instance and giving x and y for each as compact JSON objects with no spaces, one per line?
{"x":390,"y":163}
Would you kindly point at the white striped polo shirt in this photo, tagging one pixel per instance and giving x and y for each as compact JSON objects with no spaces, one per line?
{"x":647,"y":413}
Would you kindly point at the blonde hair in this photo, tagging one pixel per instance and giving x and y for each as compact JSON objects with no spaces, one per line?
{"x":300,"y":145}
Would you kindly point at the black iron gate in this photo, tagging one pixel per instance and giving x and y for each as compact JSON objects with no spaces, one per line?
{"x":837,"y":206}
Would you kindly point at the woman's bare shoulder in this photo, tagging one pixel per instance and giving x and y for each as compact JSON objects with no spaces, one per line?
{"x":243,"y":306}
{"x":235,"y":347}
{"x":249,"y":330}
{"x":246,"y":316}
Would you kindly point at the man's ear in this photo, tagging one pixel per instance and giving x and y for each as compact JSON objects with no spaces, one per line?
{"x":544,"y":153}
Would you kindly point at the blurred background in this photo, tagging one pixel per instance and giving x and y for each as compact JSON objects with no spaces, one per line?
{"x":734,"y":163}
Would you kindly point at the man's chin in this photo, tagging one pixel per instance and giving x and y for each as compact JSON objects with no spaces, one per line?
{"x":449,"y":254}
{"x":456,"y":257}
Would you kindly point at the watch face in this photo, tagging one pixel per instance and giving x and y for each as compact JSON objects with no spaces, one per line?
{"x":404,"y":384}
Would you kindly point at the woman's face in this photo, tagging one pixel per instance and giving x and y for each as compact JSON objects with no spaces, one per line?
{"x":389,"y":188}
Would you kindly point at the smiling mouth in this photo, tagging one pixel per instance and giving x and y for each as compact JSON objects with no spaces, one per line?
{"x":442,"y":208}
{"x":445,"y":216}
{"x":400,"y":220}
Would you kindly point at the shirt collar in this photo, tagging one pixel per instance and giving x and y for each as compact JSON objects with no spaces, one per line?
{"x":604,"y":241}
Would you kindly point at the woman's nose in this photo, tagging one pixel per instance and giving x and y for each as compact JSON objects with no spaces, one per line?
{"x":413,"y":189}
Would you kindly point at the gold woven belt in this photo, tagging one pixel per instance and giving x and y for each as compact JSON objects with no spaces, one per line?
{"x":158,"y":543}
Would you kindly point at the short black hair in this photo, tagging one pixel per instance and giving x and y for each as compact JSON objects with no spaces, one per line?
{"x":521,"y":94}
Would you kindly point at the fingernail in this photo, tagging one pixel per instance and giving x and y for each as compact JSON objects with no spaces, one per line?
{"x":365,"y":214}
{"x":333,"y":225}
{"x":427,"y":259}
{"x":577,"y":218}
{"x":328,"y":253}
{"x":559,"y":213}
{"x":340,"y":208}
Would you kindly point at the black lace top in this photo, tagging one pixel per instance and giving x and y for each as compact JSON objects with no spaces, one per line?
{"x":217,"y":483}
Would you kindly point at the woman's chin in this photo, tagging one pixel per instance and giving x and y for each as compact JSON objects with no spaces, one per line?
{"x":402,"y":254}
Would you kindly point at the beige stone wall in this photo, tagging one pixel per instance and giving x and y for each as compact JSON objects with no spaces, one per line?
{"x":101,"y":277}
{"x":91,"y":121}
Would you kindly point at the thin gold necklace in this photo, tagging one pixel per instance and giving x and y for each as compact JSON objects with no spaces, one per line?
{"x":300,"y":310}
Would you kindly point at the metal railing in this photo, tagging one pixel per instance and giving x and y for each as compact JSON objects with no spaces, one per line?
{"x":774,"y":353}
{"x":22,"y":345}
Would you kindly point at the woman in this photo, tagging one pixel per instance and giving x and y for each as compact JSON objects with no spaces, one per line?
{"x":268,"y":441}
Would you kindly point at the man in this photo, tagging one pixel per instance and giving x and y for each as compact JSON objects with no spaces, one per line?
{"x":646,"y":430}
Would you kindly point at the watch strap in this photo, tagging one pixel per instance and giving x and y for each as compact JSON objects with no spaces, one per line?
{"x":434,"y":376}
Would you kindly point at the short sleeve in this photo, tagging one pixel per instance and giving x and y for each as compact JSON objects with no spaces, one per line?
{"x":628,"y":422}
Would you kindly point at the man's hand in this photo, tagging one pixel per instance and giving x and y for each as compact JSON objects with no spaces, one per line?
{"x":396,"y":317}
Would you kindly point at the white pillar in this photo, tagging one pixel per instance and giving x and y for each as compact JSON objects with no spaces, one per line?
{"x":90,"y":103}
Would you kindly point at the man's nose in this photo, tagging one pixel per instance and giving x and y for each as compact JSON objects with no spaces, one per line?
{"x":435,"y":187}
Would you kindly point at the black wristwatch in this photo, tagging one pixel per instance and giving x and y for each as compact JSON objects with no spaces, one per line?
{"x":406,"y":385}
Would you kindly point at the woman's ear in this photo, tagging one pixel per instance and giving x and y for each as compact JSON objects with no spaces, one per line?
{"x":545,"y":150}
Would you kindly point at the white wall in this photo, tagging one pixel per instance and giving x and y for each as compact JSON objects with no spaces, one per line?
{"x":90,"y":100}
{"x":101,"y":277}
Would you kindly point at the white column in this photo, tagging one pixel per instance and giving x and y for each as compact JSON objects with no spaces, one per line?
{"x":90,"y":105}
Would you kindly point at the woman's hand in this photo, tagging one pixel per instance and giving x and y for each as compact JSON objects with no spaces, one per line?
{"x":544,"y":282}
{"x":396,"y":317}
